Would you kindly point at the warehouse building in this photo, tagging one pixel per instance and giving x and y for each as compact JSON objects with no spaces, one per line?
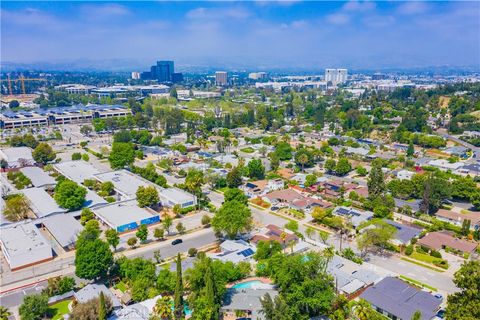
{"x":23,"y":245}
{"x":125,"y":215}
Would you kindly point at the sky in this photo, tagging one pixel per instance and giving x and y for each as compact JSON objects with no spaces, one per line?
{"x":255,"y":35}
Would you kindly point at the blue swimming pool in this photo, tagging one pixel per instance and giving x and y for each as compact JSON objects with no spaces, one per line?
{"x":247,"y":284}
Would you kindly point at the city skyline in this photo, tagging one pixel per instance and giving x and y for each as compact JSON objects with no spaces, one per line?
{"x":265,"y":35}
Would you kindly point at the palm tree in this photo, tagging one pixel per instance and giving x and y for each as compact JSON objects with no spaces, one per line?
{"x":303,"y":160}
{"x":309,"y":232}
{"x":4,"y":313}
{"x":328,"y":253}
{"x":362,"y":310}
{"x":283,"y":236}
{"x":163,"y":308}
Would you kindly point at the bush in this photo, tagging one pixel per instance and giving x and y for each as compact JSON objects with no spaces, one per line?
{"x":435,"y":254}
{"x":76,"y":156}
{"x":409,"y":250}
{"x":192,"y":252}
{"x":110,"y":199}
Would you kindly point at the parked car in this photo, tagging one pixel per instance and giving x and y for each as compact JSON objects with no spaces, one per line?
{"x":176,"y":241}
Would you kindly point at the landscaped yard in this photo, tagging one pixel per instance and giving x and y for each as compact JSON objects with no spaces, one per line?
{"x":121,"y":286}
{"x":248,"y":150}
{"x":59,"y":309}
{"x":438,"y":262}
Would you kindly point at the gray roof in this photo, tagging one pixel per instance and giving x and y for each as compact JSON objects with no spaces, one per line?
{"x":124,"y":181}
{"x":93,"y":200}
{"x":247,"y":299}
{"x":404,"y":233}
{"x":92,"y":291}
{"x":401,"y":300}
{"x":413,"y":204}
{"x":121,"y":213}
{"x":38,"y":177}
{"x":41,"y":203}
{"x":64,"y":228}
{"x":77,"y":171}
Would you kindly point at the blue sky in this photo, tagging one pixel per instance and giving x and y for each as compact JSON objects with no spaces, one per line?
{"x":300,"y":34}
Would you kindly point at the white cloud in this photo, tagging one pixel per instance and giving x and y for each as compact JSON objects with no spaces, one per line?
{"x":358,"y":6}
{"x":217,"y":14}
{"x":410,"y":8}
{"x":338,"y":18}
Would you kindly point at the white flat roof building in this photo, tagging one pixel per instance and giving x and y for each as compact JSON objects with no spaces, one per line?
{"x":64,"y":228}
{"x":38,"y":177}
{"x":76,"y":171}
{"x":23,"y":245}
{"x":124,"y":181}
{"x":41,"y":203}
{"x":17,"y":156}
{"x":125,"y":215}
{"x":173,"y":196}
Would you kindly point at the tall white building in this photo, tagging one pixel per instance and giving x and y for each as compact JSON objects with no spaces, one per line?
{"x":221,"y":78}
{"x":257,"y":75}
{"x":135,"y":75}
{"x":336,"y":76}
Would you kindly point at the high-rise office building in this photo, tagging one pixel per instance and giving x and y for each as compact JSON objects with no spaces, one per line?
{"x":164,"y":71}
{"x":336,"y":76}
{"x":221,"y":78}
{"x":258,"y":75}
{"x":135,"y":75}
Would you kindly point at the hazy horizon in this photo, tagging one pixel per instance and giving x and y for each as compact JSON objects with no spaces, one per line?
{"x":264,"y":35}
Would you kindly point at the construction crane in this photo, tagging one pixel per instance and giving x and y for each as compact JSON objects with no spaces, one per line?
{"x":22,"y":80}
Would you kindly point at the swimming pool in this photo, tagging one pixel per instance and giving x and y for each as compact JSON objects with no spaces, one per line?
{"x":247,"y":284}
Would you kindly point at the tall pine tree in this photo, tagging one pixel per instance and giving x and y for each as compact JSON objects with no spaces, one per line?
{"x":102,"y":307}
{"x":178,"y":300}
{"x":376,"y":181}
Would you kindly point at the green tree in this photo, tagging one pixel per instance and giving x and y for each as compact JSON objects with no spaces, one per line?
{"x":180,"y":228}
{"x":113,"y":238}
{"x":376,"y":181}
{"x":417,"y":315}
{"x":147,"y":196}
{"x":142,"y":233}
{"x":4,"y":313}
{"x":303,"y":158}
{"x":410,"y":150}
{"x":158,"y":233}
{"x":93,"y":256}
{"x":232,"y":218}
{"x":465,"y":304}
{"x":86,"y":215}
{"x":330,"y":165}
{"x":283,"y":151}
{"x":167,"y":223}
{"x":310,"y":180}
{"x":274,"y":161}
{"x":234,"y":178}
{"x":16,"y":208}
{"x":34,"y":307}
{"x":194,"y":181}
{"x":70,"y":195}
{"x":102,"y":307}
{"x":43,"y":153}
{"x":122,"y":155}
{"x":235,"y":194}
{"x":76,"y":156}
{"x":178,"y":297}
{"x":206,"y":220}
{"x":132,"y":242}
{"x":378,"y":236}
{"x":255,"y":169}
{"x":266,"y":249}
{"x":162,"y":309}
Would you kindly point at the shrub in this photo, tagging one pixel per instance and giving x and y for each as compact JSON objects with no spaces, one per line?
{"x":409,"y":250}
{"x":76,"y":156}
{"x":192,"y":252}
{"x":110,"y":199}
{"x":435,"y":254}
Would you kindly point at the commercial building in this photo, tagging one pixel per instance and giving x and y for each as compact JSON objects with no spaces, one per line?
{"x":125,"y":215}
{"x":38,"y":177}
{"x":336,"y":76}
{"x":163,"y":72}
{"x":12,"y":120}
{"x":125,"y":182}
{"x":75,"y":88}
{"x":398,"y":300}
{"x":23,"y":245}
{"x":41,"y":203}
{"x":64,"y":228}
{"x":171,"y":197}
{"x":135,"y":75}
{"x":221,"y":78}
{"x":77,"y":171}
{"x":258,"y":76}
{"x":17,"y":157}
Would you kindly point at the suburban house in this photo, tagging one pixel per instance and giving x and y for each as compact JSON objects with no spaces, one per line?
{"x":23,"y":245}
{"x":245,"y":302}
{"x":458,"y":218}
{"x":405,"y":174}
{"x":355,"y":216}
{"x":442,"y":239}
{"x":92,"y":291}
{"x":283,"y":197}
{"x":404,"y":233}
{"x":234,"y":251}
{"x":397,"y":299}
{"x":261,"y":187}
{"x":17,"y":157}
{"x":274,"y":233}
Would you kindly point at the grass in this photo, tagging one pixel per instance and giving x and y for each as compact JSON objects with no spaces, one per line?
{"x":421,"y":264}
{"x":424,"y":257}
{"x":248,"y":150}
{"x":59,"y":309}
{"x":418,"y":283}
{"x":121,"y":286}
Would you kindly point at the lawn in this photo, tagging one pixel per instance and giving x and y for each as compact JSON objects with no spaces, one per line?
{"x":59,"y":309}
{"x":424,"y":257}
{"x":248,"y":150}
{"x":421,"y":264}
{"x":121,"y":286}
{"x":418,"y":283}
